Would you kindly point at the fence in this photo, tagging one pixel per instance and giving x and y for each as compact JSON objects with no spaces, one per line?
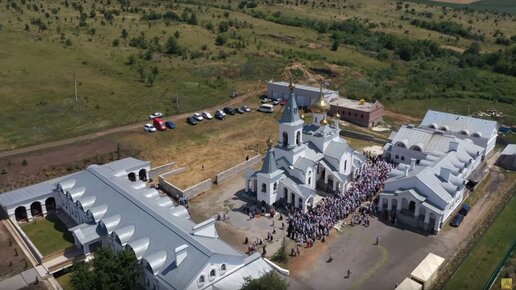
{"x":363,"y":136}
{"x":161,"y":169}
{"x":499,"y":268}
{"x":189,"y":193}
{"x":226,"y":174}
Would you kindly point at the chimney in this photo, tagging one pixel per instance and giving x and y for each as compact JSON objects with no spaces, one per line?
{"x":181,"y":253}
{"x":412,"y":163}
{"x":406,"y":171}
{"x":445,"y":174}
{"x":454,"y":145}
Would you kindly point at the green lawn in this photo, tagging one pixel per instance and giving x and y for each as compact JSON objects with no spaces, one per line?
{"x":486,"y":255}
{"x":64,"y":281}
{"x":49,"y":235}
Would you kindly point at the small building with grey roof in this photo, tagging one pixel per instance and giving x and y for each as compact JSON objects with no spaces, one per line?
{"x":507,"y":159}
{"x":305,"y":95}
{"x":112,"y":208}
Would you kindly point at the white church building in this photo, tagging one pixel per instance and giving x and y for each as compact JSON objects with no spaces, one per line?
{"x":430,"y":181}
{"x":307,"y":158}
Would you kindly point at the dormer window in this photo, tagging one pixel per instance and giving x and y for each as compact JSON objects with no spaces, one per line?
{"x":201,"y":279}
{"x":223,"y":269}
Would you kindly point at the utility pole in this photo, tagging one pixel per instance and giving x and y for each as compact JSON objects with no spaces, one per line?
{"x":75,"y":85}
{"x":177,"y":98}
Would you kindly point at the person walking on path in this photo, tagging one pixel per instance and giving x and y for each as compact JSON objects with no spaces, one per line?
{"x":377,"y":240}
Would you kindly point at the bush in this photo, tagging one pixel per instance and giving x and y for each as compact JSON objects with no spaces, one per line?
{"x":24,"y":162}
{"x":221,"y":40}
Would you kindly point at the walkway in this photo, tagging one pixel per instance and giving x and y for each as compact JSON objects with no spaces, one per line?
{"x":23,"y":279}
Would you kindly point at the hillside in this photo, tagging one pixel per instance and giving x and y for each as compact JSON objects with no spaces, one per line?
{"x":132,"y":58}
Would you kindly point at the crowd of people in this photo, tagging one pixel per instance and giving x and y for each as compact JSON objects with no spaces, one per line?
{"x":317,"y":222}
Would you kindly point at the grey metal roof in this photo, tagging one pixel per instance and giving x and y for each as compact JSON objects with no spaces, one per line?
{"x":457,"y":123}
{"x":431,"y":141}
{"x":336,"y":149}
{"x":509,"y":150}
{"x":20,"y":196}
{"x":269,"y":162}
{"x":305,"y":88}
{"x":428,"y":174}
{"x":303,"y":164}
{"x":290,"y":111}
{"x":147,"y":224}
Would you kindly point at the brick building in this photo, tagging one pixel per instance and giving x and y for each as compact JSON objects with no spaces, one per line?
{"x":357,"y":112}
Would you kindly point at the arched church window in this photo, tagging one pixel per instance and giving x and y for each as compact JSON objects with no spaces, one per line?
{"x":275,"y":185}
{"x":345,"y":164}
{"x":285,"y":139}
{"x":264,"y":187}
{"x":298,"y":138}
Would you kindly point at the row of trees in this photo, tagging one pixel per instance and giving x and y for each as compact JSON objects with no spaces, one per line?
{"x":502,"y":61}
{"x":447,"y":27}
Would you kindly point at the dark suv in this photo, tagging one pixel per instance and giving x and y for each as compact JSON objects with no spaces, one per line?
{"x":229,"y":111}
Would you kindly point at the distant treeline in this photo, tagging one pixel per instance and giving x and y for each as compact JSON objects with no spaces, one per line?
{"x":447,"y":27}
{"x":353,"y":32}
{"x":502,"y":61}
{"x":356,"y":33}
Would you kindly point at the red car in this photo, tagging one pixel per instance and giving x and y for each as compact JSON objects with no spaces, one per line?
{"x":283,"y":102}
{"x":159,"y":124}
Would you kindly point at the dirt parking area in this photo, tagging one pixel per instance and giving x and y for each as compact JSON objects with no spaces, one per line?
{"x":12,"y":258}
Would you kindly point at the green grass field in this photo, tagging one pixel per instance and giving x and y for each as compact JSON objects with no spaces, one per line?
{"x":49,"y":235}
{"x":64,"y":281}
{"x":486,"y":255}
{"x":44,"y":44}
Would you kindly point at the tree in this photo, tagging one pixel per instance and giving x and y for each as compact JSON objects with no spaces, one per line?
{"x":268,"y":281}
{"x":107,"y":271}
{"x":193,"y":19}
{"x":172,"y":47}
{"x":281,"y":255}
{"x":335,"y":45}
{"x":221,"y":40}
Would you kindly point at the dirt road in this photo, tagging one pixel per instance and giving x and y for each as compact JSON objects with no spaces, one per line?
{"x":118,"y":129}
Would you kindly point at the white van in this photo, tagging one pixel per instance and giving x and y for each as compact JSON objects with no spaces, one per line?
{"x":266,"y":108}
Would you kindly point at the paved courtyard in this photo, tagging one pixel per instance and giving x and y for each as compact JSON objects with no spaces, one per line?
{"x":372,"y":266}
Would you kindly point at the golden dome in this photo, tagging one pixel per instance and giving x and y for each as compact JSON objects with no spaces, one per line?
{"x":320,"y":105}
{"x":337,"y":115}
{"x":291,"y":86}
{"x":362,"y":101}
{"x":303,"y":116}
{"x":323,"y":122}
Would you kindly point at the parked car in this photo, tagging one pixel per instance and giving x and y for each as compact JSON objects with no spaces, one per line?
{"x":207,"y":115}
{"x":238,"y":110}
{"x":159,"y":124}
{"x":197,"y":117}
{"x":276,"y":102}
{"x":457,"y":220}
{"x":245,"y":108}
{"x":266,"y":100}
{"x":234,"y":94}
{"x":266,"y":108}
{"x":155,"y":115}
{"x":170,"y":124}
{"x":191,"y":120}
{"x":464,"y":209}
{"x":221,"y":111}
{"x":283,"y":102}
{"x":229,"y":111}
{"x":220,"y":115}
{"x":149,"y":128}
